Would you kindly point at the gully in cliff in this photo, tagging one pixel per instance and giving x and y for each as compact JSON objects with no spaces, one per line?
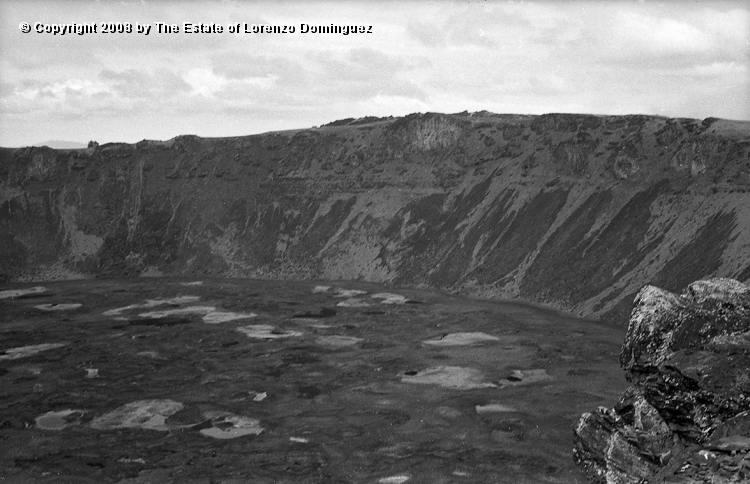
{"x":686,"y":417}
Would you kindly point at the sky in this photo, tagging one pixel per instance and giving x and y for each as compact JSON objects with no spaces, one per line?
{"x":673,"y":58}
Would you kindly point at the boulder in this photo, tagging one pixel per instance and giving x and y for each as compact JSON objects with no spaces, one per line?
{"x":686,"y":417}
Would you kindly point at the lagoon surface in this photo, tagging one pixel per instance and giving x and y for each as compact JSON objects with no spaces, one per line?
{"x":247,"y":381}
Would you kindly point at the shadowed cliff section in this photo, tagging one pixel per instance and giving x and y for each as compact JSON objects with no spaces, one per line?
{"x":576,"y":211}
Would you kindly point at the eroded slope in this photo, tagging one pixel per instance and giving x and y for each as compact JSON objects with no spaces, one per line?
{"x":575,"y":211}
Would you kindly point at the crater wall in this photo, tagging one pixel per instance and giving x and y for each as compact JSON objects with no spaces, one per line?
{"x":573,"y":211}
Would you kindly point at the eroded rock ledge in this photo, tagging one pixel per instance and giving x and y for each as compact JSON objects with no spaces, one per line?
{"x":686,"y":417}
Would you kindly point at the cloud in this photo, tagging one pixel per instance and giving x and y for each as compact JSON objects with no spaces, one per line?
{"x":655,"y":39}
{"x":647,"y":35}
{"x":62,"y":97}
{"x":373,"y":60}
{"x":60,"y":91}
{"x":363,"y":73}
{"x":204,"y":81}
{"x":718,"y":69}
{"x":285,"y":72}
{"x":457,"y":30}
{"x":134,"y":83}
{"x":111,"y":91}
{"x":465,"y":32}
{"x":428,"y":34}
{"x":681,"y":59}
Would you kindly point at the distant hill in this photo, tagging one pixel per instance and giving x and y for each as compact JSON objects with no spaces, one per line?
{"x":62,"y":145}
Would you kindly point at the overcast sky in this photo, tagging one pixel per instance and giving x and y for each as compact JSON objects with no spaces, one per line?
{"x":680,"y":59}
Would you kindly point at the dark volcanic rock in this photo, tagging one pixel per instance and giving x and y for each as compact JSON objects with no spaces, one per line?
{"x":685,"y":419}
{"x":574,"y":211}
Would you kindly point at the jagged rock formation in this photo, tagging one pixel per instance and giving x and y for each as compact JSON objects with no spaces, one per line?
{"x":686,"y":417}
{"x":575,"y":211}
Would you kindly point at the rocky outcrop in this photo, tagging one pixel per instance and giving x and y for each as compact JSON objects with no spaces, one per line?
{"x":686,"y":417}
{"x":573,"y":211}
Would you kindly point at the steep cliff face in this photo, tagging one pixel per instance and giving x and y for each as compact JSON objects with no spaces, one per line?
{"x":687,"y":416}
{"x":575,"y":211}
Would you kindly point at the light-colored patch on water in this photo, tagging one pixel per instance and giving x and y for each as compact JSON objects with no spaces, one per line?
{"x":210,"y":315}
{"x":353,"y":303}
{"x":222,"y":317}
{"x":58,"y":307}
{"x":336,"y":340}
{"x":178,"y":311}
{"x":394,"y":479}
{"x":145,"y":414}
{"x":33,"y":369}
{"x":152,"y":303}
{"x":266,"y":331}
{"x":494,"y":408}
{"x":171,"y":300}
{"x":259,"y":397}
{"x":455,"y":377}
{"x":192,"y":283}
{"x":58,"y":420}
{"x":341,"y":292}
{"x":461,"y":339}
{"x":300,"y":440}
{"x":92,"y":373}
{"x":150,"y":354}
{"x":22,"y":292}
{"x":24,"y":351}
{"x":127,"y":460}
{"x":230,"y":426}
{"x":525,"y":377}
{"x":388,"y":298}
{"x":318,"y":289}
{"x":448,"y":412}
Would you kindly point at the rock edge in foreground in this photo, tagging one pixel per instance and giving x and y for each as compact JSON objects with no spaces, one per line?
{"x":686,"y":416}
